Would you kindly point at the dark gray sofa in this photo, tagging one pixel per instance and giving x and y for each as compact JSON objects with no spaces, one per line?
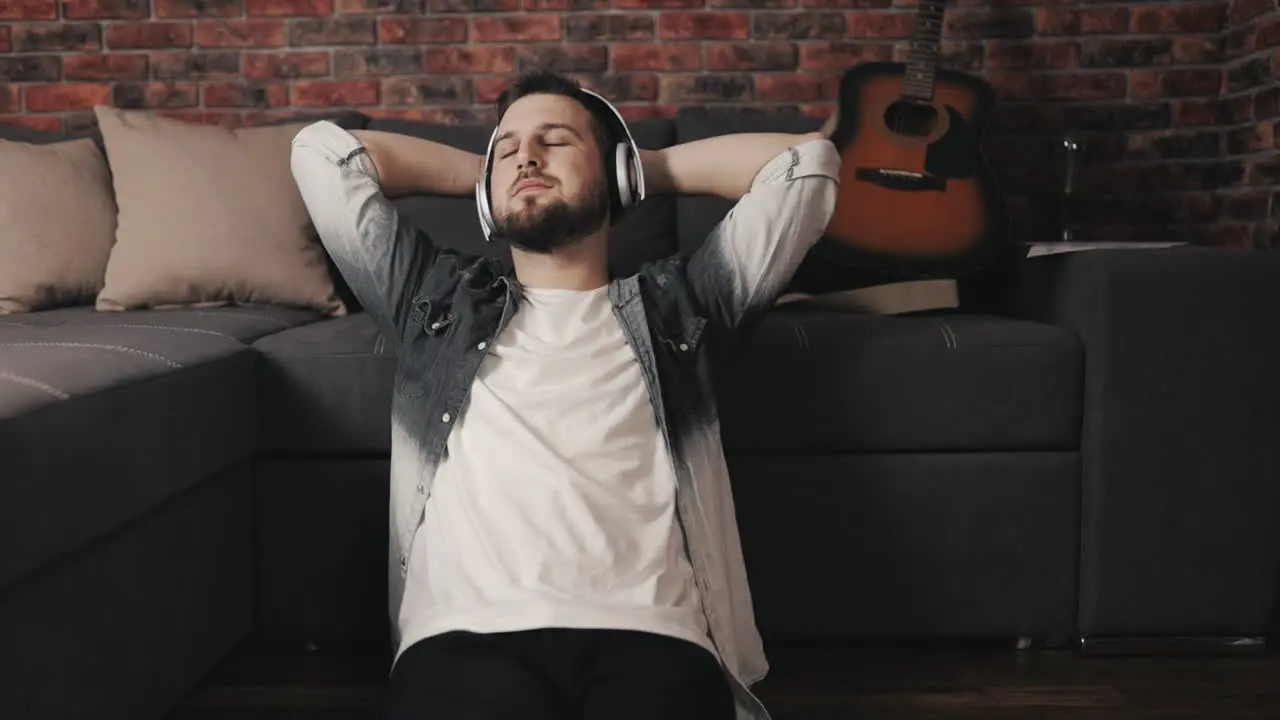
{"x":1089,"y":447}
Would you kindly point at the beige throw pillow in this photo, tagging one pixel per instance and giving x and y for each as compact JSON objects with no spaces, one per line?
{"x":208,"y":216}
{"x":57,"y":223}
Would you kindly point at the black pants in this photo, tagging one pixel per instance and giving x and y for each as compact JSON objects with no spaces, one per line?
{"x":557,"y":674}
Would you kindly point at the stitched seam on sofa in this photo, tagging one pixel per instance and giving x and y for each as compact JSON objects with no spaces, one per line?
{"x":32,"y":382}
{"x":947,"y":336}
{"x":169,"y":327}
{"x":96,"y":346}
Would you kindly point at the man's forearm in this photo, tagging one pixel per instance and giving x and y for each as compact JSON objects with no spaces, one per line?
{"x":724,"y":165}
{"x":408,"y":165}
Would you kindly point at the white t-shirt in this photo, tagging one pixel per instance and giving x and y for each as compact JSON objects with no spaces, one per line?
{"x":555,"y":505}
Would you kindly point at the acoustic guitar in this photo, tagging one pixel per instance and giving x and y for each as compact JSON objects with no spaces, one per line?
{"x":917,"y":197}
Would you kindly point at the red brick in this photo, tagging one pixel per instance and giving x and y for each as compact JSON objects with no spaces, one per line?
{"x":705,"y":88}
{"x":515,"y":28}
{"x":142,"y":35}
{"x":859,"y":4}
{"x":375,"y":61}
{"x":1178,"y":18}
{"x":1192,"y":50}
{"x":333,"y":31}
{"x":286,"y":8}
{"x":30,"y":68}
{"x":335,"y":93}
{"x":657,"y":4}
{"x":470,"y":59}
{"x":155,"y":95}
{"x":1036,"y":55}
{"x":240,"y":33}
{"x":811,"y":87}
{"x":1082,"y":21}
{"x":1268,"y":32}
{"x":656,"y":56}
{"x":112,"y":66}
{"x":487,"y":89}
{"x":618,"y":27}
{"x":5,"y":44}
{"x":470,"y":6}
{"x":66,"y":96}
{"x":842,"y":55}
{"x":374,"y":7}
{"x":106,"y":9}
{"x":981,"y":24}
{"x":429,"y":90}
{"x":439,"y":115}
{"x":414,"y":31}
{"x":1152,"y":84}
{"x":28,"y":9}
{"x":1242,"y":11}
{"x":199,"y":8}
{"x":242,"y":94}
{"x":622,"y":87}
{"x":704,"y":26}
{"x":566,"y":5}
{"x":194,"y":65}
{"x":752,"y":56}
{"x":267,"y":66}
{"x":755,"y":4}
{"x":563,"y":58}
{"x":798,"y":26}
{"x":43,"y":123}
{"x":1213,"y":112}
{"x":55,"y":38}
{"x":880,"y":25}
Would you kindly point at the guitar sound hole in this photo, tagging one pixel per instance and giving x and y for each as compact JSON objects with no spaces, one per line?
{"x":909,"y":118}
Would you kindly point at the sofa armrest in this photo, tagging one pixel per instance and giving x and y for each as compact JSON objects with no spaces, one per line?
{"x":1181,"y":432}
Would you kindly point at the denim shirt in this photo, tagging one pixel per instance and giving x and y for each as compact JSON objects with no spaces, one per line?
{"x":681,"y":316}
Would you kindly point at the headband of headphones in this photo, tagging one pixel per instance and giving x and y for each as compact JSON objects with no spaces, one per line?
{"x":627,"y":174}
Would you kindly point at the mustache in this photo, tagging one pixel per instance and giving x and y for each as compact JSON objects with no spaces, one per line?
{"x":523,"y":176}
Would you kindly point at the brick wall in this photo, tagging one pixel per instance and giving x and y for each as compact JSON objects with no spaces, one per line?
{"x":1177,"y":103}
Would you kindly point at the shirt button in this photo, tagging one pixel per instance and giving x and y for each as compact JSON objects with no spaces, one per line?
{"x":445,"y":417}
{"x":482,"y":346}
{"x":419,"y":489}
{"x":684,"y":347}
{"x":403,"y":563}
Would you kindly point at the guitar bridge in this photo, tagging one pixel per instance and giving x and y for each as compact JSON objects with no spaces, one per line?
{"x":901,"y":179}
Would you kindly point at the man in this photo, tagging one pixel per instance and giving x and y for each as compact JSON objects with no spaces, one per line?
{"x":563,"y":536}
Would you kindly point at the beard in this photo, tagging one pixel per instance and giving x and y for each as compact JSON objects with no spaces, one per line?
{"x":543,"y":228}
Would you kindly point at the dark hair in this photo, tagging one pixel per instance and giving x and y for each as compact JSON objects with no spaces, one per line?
{"x":543,"y":82}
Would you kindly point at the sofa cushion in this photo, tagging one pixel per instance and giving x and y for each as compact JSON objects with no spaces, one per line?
{"x":829,"y":382}
{"x":648,"y":233}
{"x":99,"y":423}
{"x":806,"y":382}
{"x":51,"y":254}
{"x":243,"y":323}
{"x":326,"y":389}
{"x":208,"y":216}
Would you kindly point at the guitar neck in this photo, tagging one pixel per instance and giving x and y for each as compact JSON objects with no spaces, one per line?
{"x":922,"y":63}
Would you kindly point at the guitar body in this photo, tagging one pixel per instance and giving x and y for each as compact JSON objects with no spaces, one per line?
{"x":917,"y":197}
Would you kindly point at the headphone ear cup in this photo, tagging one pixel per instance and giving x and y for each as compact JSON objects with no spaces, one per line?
{"x":484,"y":209}
{"x":625,"y":173}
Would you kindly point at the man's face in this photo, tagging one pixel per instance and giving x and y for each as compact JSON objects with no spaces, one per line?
{"x":547,"y":183}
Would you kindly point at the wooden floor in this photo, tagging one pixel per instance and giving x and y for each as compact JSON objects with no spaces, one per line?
{"x":921,"y":683}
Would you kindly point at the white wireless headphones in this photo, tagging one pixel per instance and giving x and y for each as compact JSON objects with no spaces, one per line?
{"x":623,"y":170}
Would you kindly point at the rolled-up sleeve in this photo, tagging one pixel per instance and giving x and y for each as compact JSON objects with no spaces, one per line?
{"x":751,"y":255}
{"x":381,"y":258}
